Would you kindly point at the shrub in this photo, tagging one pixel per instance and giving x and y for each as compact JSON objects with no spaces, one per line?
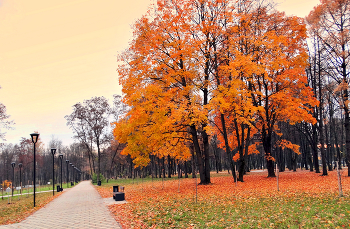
{"x":94,"y":178}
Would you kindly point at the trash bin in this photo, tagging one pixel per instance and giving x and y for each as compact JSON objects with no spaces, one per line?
{"x":99,"y":183}
{"x":58,"y":188}
{"x":71,"y":183}
{"x":116,"y":188}
{"x":119,"y":196}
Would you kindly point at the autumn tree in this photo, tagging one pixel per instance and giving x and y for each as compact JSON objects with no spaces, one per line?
{"x":90,"y":120}
{"x":265,"y":68}
{"x":192,"y":60}
{"x":331,"y":23}
{"x":166,"y":80}
{"x":260,"y":78}
{"x":279,"y":85}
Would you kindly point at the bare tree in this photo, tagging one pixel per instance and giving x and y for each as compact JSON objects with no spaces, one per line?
{"x":119,"y":109}
{"x":89,"y":121}
{"x":5,"y":123}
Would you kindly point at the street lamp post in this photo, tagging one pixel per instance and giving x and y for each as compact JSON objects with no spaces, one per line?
{"x":73,"y":174}
{"x":61,"y":158}
{"x":77,"y":174}
{"x":20,"y":176}
{"x":67,"y":175}
{"x":13,"y":164}
{"x":35,"y":137}
{"x":53,"y":151}
{"x":72,"y":171}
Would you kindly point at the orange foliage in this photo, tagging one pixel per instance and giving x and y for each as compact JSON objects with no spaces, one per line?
{"x":6,"y":184}
{"x":236,"y":157}
{"x":269,"y":158}
{"x":193,"y":60}
{"x":287,"y":144}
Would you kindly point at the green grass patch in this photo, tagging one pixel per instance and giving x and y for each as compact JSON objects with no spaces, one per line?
{"x":148,"y":179}
{"x":30,"y":190}
{"x":281,"y":212}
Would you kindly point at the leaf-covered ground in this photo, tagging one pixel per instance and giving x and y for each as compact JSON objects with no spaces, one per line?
{"x":21,"y":207}
{"x":305,"y":200}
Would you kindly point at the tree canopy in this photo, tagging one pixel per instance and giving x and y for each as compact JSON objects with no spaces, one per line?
{"x":198,"y":66}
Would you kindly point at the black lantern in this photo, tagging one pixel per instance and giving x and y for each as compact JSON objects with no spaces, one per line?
{"x":61,"y":158}
{"x":35,"y":137}
{"x":53,"y":151}
{"x":73,"y":174}
{"x":20,"y":176}
{"x":13,"y":164}
{"x":67,"y":175}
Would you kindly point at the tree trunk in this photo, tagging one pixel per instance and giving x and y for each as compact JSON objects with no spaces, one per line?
{"x":227,"y":146}
{"x":193,"y":164}
{"x":130,"y":168}
{"x":200,"y":163}
{"x":159,"y":167}
{"x":91,"y":171}
{"x":347,"y":129}
{"x":169,"y":166}
{"x":328,"y":150}
{"x":314,"y":149}
{"x":206,"y":156}
{"x":337,"y":146}
{"x":179,"y":171}
{"x":266,"y":138}
{"x":163,"y":162}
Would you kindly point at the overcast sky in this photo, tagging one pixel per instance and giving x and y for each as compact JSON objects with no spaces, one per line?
{"x":54,"y":54}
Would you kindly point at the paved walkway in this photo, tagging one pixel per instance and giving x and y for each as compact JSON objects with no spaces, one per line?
{"x":79,"y":207}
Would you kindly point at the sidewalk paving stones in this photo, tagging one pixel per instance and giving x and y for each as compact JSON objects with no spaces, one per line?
{"x":79,"y":207}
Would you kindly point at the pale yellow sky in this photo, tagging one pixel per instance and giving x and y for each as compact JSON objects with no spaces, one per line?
{"x":54,"y":54}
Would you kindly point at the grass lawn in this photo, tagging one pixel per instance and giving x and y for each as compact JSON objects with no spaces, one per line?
{"x":22,"y":207}
{"x":304,"y":200}
{"x":39,"y":188}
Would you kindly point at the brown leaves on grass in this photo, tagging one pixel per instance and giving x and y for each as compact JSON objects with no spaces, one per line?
{"x":152,"y":206}
{"x":20,"y":209}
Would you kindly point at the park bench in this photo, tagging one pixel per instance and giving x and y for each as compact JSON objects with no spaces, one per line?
{"x":118,"y":193}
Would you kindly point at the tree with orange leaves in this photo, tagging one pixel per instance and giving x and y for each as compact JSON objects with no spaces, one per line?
{"x":274,"y":48}
{"x":263,"y":75}
{"x":233,"y":122}
{"x":196,"y":59}
{"x":167,"y":80}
